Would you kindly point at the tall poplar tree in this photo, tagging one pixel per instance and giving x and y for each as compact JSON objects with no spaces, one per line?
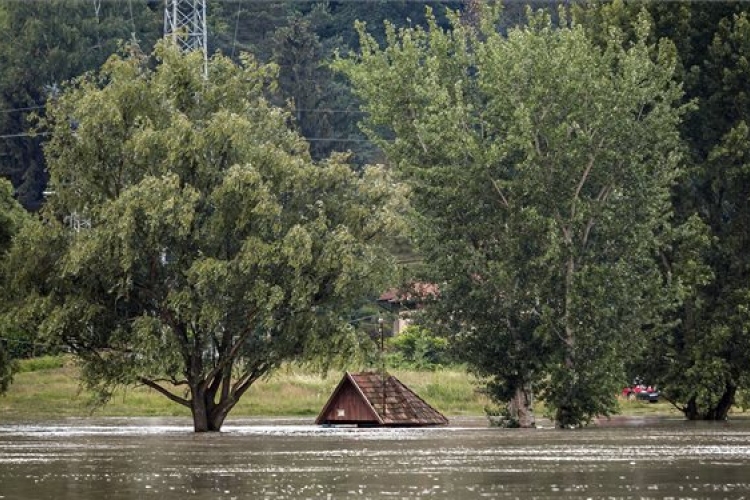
{"x":701,"y":362}
{"x":541,"y":166}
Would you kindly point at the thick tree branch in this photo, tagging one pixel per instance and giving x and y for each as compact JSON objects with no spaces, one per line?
{"x":227,"y":357}
{"x":158,"y":388}
{"x":565,"y":229}
{"x":172,"y":381}
{"x":584,"y":178}
{"x":179,"y":333}
{"x":500,"y":193}
{"x":601,"y":198}
{"x":227,"y":376}
{"x":239,"y":388}
{"x":242,"y":385}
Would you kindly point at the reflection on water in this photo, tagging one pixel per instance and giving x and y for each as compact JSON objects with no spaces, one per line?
{"x":118,"y":459}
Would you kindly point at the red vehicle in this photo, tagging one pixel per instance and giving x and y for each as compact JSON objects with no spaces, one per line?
{"x":641,"y":391}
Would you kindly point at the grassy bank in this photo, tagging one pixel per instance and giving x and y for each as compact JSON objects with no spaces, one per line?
{"x":48,"y":388}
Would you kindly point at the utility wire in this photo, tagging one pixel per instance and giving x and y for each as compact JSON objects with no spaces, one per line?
{"x":24,"y":134}
{"x":334,"y":139}
{"x":304,"y":110}
{"x":374,"y":1}
{"x":309,"y":139}
{"x":27,"y":108}
{"x":236,"y":27}
{"x":21,"y":341}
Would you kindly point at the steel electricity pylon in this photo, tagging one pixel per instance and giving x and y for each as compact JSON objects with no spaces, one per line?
{"x":185,"y":23}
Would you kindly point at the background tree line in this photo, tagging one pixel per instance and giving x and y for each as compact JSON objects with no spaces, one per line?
{"x":684,"y":327}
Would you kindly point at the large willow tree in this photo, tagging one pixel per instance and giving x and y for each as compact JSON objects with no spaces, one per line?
{"x":190,"y":244}
{"x":541,"y":167}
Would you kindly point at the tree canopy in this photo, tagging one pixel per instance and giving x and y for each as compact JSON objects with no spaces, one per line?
{"x":541,"y":167}
{"x":12,"y":219}
{"x":700,"y":362}
{"x":190,"y":243}
{"x":492,"y":126}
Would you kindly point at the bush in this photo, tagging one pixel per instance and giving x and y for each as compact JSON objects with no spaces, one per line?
{"x":40,"y":363}
{"x":415,"y":347}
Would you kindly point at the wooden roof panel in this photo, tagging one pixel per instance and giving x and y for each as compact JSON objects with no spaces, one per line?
{"x":401,"y":406}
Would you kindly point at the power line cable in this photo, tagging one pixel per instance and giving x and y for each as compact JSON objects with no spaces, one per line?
{"x":376,"y":1}
{"x":27,"y":108}
{"x":132,"y":21}
{"x":304,"y":110}
{"x":21,"y":341}
{"x":24,"y":134}
{"x":236,"y":27}
{"x":309,"y":139}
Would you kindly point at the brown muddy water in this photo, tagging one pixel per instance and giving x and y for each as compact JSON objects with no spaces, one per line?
{"x":128,"y":459}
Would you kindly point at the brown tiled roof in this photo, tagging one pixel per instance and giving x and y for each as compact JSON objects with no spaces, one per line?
{"x":402,"y":406}
{"x":412,"y":292}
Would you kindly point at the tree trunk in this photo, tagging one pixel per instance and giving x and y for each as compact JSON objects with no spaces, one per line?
{"x":564,"y":418}
{"x":690,"y":410}
{"x":209,"y":416}
{"x":564,"y":414}
{"x":204,"y":419}
{"x":720,"y":411}
{"x":200,"y":411}
{"x":520,"y":409}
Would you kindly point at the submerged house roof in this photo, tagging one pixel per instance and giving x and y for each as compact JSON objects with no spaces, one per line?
{"x":369,"y":399}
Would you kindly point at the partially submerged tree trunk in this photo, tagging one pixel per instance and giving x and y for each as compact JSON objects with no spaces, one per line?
{"x":564,"y":418}
{"x":520,"y":408}
{"x":564,"y":415}
{"x":720,"y":411}
{"x":207,"y":415}
{"x":200,"y":413}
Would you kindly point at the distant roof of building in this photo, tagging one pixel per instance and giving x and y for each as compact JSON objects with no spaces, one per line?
{"x":410,"y":293}
{"x":400,"y":406}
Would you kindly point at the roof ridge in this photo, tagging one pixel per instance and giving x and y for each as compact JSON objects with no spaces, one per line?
{"x":443,"y":417}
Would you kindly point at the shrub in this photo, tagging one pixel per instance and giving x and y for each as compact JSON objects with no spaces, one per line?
{"x":40,"y":363}
{"x":415,"y":347}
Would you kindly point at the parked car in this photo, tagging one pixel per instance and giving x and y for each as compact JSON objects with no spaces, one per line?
{"x":642,"y":392}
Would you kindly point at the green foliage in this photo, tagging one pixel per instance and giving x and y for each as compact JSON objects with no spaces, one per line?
{"x":416,"y":348}
{"x":540,"y":168}
{"x":16,"y":342}
{"x":52,"y":393}
{"x":12,"y":220}
{"x":41,"y":363}
{"x":45,"y":44}
{"x":191,"y":240}
{"x":8,"y":367}
{"x":701,"y":361}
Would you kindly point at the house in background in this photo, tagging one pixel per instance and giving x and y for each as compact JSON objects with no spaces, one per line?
{"x":404,"y":301}
{"x":371,"y":399}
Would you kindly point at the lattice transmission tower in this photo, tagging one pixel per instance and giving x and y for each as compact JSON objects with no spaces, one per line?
{"x":185,"y":23}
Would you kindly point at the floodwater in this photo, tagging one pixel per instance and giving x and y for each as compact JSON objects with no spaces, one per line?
{"x":128,"y":459}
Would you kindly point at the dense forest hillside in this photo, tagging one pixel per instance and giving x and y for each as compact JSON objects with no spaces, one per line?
{"x":45,"y":44}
